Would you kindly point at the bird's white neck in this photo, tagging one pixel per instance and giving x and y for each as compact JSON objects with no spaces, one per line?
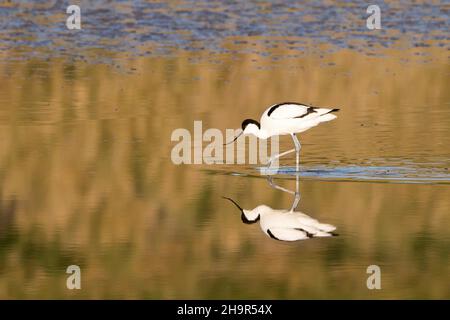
{"x":261,"y":134}
{"x":256,"y":130}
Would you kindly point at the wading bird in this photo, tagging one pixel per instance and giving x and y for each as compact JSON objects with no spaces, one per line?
{"x":286,"y":118}
{"x":285,"y":225}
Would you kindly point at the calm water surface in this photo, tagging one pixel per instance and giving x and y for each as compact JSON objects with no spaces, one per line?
{"x":86,"y":176}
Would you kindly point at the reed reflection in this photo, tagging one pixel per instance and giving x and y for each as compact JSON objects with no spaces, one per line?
{"x":285,"y":224}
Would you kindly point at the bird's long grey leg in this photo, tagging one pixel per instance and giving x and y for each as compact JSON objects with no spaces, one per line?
{"x":279,"y":156}
{"x":275,"y":186}
{"x":296,"y":201}
{"x":296,"y":194}
{"x":298,"y":146}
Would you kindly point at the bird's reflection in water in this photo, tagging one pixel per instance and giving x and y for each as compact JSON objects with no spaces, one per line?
{"x":285,"y":225}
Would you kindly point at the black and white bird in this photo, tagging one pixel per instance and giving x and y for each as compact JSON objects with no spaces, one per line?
{"x":285,"y":225}
{"x":287,"y":118}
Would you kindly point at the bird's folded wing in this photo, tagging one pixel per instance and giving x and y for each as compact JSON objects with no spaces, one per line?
{"x":287,"y":111}
{"x":287,"y":234}
{"x":312,"y":225}
{"x":296,"y":111}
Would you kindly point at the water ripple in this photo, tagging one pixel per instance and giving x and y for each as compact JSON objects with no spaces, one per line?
{"x":385,"y":174}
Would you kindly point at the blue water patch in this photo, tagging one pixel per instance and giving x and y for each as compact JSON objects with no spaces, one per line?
{"x":161,"y":28}
{"x":364,"y":173}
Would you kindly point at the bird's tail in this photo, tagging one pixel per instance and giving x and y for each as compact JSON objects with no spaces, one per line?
{"x":314,"y":228}
{"x":327,"y":117}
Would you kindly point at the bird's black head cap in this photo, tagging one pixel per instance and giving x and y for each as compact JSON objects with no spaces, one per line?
{"x":246,"y":220}
{"x":246,"y":122}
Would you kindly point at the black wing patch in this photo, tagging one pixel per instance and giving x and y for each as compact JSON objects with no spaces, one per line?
{"x":308,"y":234}
{"x":314,"y":109}
{"x":308,"y":111}
{"x":271,"y":235}
{"x":275,"y":107}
